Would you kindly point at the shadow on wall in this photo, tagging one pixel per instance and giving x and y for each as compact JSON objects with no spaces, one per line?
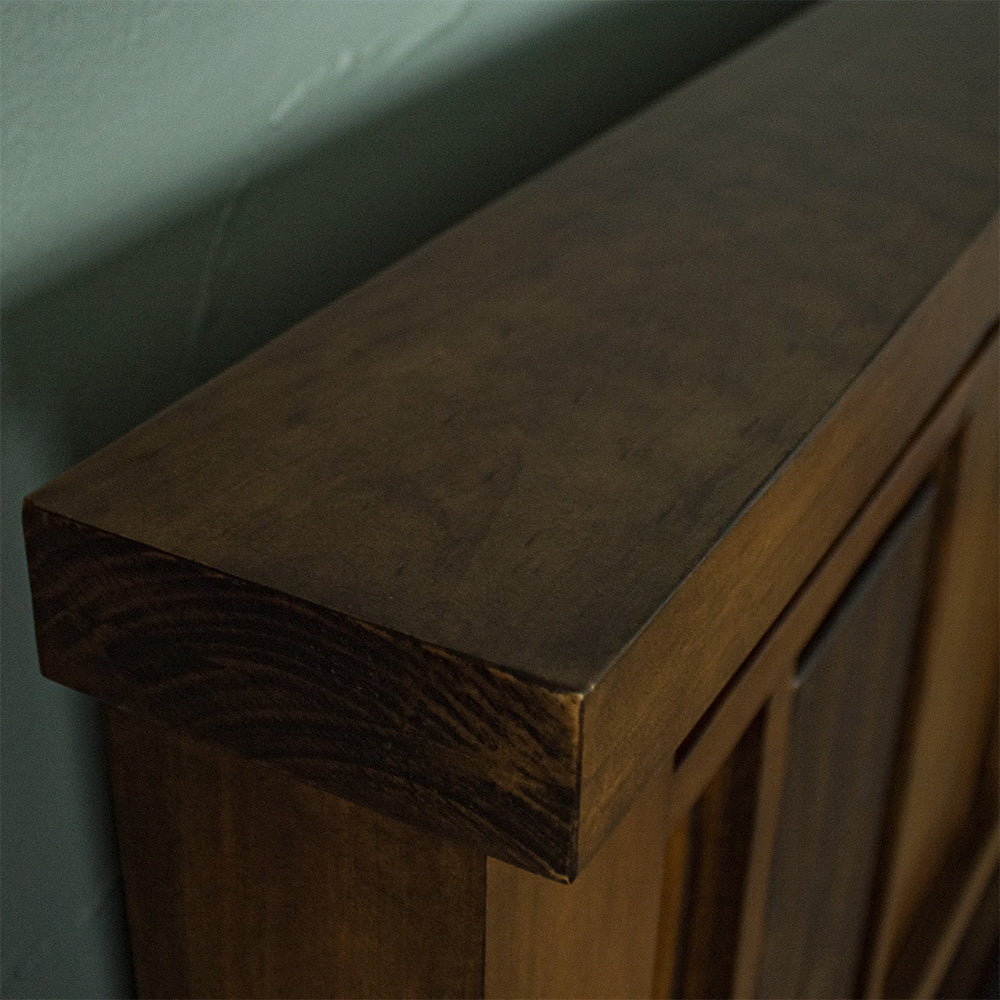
{"x":86,"y":360}
{"x":127,"y":336}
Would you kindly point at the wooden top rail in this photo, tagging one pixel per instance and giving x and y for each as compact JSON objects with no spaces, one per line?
{"x":480,"y":543}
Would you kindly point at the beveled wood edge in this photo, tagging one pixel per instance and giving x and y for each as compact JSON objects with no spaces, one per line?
{"x":650,"y":698}
{"x":464,"y":749}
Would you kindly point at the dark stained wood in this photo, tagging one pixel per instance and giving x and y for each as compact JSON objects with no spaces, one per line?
{"x":643,"y":708}
{"x":474,"y":482}
{"x":972,"y":403}
{"x":845,"y":720}
{"x":956,"y":703}
{"x":523,"y":542}
{"x":546,"y":940}
{"x":243,"y":883}
{"x":520,"y":439}
{"x":973,"y":972}
{"x":948,"y":910}
{"x":415,"y":731}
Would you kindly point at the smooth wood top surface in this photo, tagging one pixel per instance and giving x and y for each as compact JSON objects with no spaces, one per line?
{"x":517,"y":443}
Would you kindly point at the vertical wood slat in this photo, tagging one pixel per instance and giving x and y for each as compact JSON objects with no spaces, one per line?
{"x":957,"y":697}
{"x":773,"y":764}
{"x":940,"y":939}
{"x":923,"y":959}
{"x":722,"y":827}
{"x":602,"y":935}
{"x":671,"y":912}
{"x":843,"y":741}
{"x":242,"y":882}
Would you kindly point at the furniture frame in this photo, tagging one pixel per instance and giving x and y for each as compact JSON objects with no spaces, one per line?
{"x":602,"y":601}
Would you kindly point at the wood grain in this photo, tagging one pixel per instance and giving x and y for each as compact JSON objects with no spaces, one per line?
{"x":721,"y":836}
{"x":243,"y":883}
{"x":478,"y":520}
{"x":844,"y":736}
{"x":520,"y":439}
{"x":599,"y":937}
{"x":930,"y":456}
{"x":955,"y":892}
{"x":644,"y":707}
{"x":771,"y":779}
{"x":956,"y":704}
{"x":417,"y":732}
{"x":672,"y":912}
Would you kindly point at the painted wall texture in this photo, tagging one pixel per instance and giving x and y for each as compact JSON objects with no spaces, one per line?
{"x":179,"y":182}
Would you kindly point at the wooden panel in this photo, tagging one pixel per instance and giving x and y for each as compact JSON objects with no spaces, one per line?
{"x":721,"y":836}
{"x":240,"y":882}
{"x":844,"y":735}
{"x":957,"y":696}
{"x":930,"y":455}
{"x":926,"y":457}
{"x":609,"y":933}
{"x":516,"y":442}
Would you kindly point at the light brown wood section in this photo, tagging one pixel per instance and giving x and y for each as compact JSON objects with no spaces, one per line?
{"x":243,"y":883}
{"x":721,"y":838}
{"x":773,"y":764}
{"x":671,"y":923}
{"x":604,"y":935}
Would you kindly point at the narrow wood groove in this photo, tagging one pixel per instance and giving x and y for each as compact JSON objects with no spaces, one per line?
{"x":698,"y":730}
